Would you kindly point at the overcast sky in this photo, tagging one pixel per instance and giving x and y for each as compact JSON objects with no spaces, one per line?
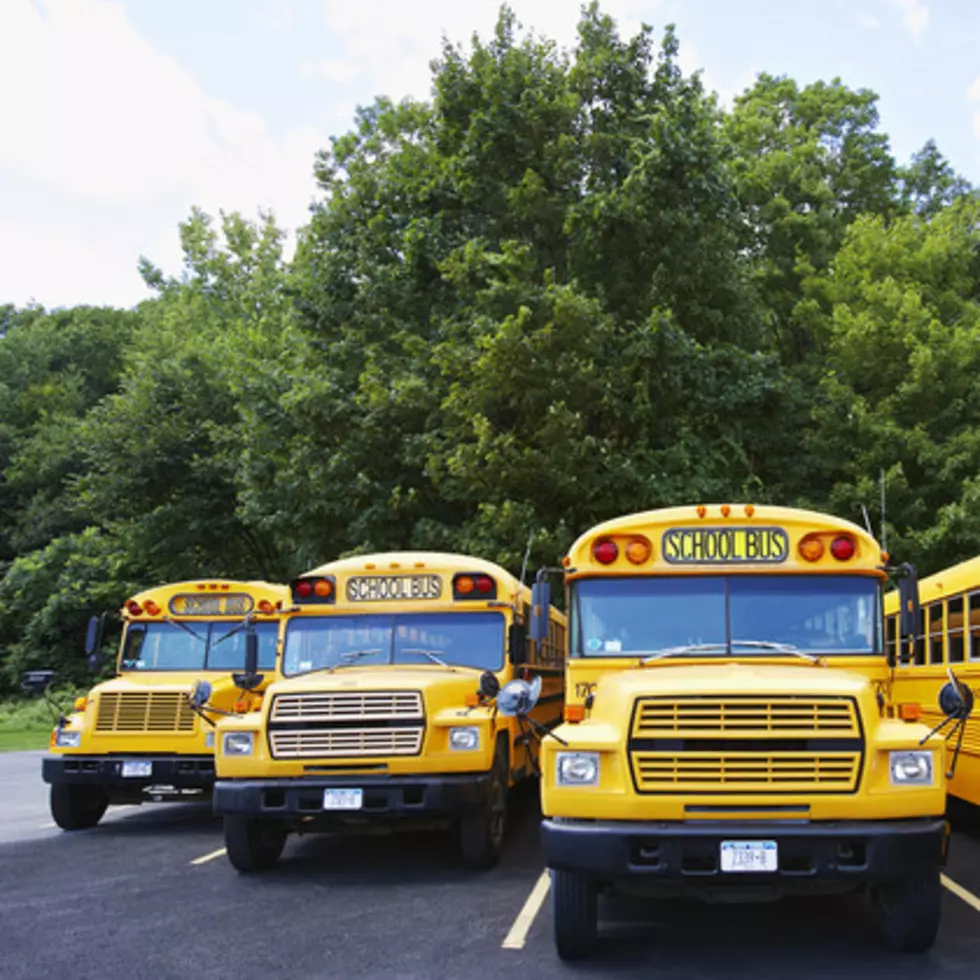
{"x":118,"y":115}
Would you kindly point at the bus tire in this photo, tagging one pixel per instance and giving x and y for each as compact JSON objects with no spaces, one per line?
{"x":253,"y":844}
{"x":575,"y":914}
{"x":77,"y":807}
{"x":481,"y":832}
{"x":907,"y":911}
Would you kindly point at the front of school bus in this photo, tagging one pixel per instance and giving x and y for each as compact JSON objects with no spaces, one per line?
{"x":385,"y":714}
{"x":728,"y":731}
{"x":135,"y":737}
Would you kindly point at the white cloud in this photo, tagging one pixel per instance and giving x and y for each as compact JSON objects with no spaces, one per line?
{"x":916,"y":16}
{"x":93,"y":110}
{"x":868,"y":21}
{"x":388,"y":43}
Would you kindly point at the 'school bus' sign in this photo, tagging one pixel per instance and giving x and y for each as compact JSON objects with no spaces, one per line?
{"x":382,"y":588}
{"x":724,"y":545}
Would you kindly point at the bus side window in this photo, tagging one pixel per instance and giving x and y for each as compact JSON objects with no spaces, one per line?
{"x":919,"y":653}
{"x":935,"y":620}
{"x":954,"y":629}
{"x":974,"y":621}
{"x":891,"y":647}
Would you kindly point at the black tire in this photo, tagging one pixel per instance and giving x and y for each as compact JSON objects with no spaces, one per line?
{"x":481,"y":832}
{"x":575,"y":914}
{"x":77,"y":807}
{"x":907,"y":912}
{"x":253,"y":844}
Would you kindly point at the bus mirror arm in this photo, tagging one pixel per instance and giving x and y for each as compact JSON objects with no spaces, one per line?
{"x":36,"y":682}
{"x":250,"y":678}
{"x":956,"y":701}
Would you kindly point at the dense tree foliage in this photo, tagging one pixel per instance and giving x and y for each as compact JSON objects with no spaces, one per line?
{"x":568,"y":285}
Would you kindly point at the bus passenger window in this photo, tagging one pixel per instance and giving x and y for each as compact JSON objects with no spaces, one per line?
{"x":891,"y":648}
{"x":974,"y":625}
{"x":935,"y":614}
{"x":954,"y":629}
{"x":919,"y":656}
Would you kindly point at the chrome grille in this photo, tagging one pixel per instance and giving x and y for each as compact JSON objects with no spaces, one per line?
{"x":346,"y":742}
{"x":144,"y":711}
{"x":347,"y":706}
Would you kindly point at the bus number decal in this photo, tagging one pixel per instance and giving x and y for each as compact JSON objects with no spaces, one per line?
{"x":724,"y":545}
{"x":382,"y":588}
{"x":584,"y":688}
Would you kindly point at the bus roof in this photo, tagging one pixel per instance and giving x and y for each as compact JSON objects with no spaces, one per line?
{"x":962,"y":577}
{"x":161,"y":595}
{"x":676,"y":540}
{"x":408,"y":561}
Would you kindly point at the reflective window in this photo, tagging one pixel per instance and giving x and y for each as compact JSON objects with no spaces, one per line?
{"x":198,"y":645}
{"x":954,"y":629}
{"x":457,"y":639}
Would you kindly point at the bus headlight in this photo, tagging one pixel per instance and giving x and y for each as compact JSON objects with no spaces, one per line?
{"x":464,"y":739}
{"x":911,"y":768}
{"x":577,"y":768}
{"x":68,"y":740}
{"x":238,"y":743}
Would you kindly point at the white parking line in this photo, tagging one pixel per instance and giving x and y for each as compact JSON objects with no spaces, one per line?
{"x":960,"y":892}
{"x":210,"y":857}
{"x":525,"y":918}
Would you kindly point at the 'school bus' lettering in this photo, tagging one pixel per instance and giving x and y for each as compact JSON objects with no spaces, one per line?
{"x":211,"y":605}
{"x":723,"y":545}
{"x":384,"y":588}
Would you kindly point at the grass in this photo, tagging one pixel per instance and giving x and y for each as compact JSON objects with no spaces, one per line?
{"x":26,"y":723}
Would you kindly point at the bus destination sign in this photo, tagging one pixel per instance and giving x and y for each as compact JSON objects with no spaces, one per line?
{"x":211,"y":604}
{"x":724,"y":545}
{"x":387,"y":588}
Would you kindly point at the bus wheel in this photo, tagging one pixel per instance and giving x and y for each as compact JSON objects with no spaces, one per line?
{"x":77,"y":807}
{"x":253,"y":844}
{"x":907,"y":911}
{"x":481,"y":832}
{"x":575,"y":911}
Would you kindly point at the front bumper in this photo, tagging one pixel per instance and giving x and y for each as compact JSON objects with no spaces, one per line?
{"x":185,"y":772}
{"x":688,"y":855}
{"x":385,"y":798}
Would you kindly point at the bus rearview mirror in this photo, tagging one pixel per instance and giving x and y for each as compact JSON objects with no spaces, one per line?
{"x":540,"y":604}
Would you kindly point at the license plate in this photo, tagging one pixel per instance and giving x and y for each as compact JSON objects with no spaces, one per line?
{"x":134,"y":767}
{"x":343,"y":799}
{"x":749,"y":855}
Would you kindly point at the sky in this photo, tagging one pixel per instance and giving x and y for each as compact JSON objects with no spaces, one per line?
{"x":118,"y":116}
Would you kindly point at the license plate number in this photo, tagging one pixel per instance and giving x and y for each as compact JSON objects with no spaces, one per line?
{"x":749,"y":855}
{"x":136,"y":768}
{"x":343,"y":799}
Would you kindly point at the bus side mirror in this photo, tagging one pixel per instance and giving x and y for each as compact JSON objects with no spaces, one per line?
{"x":540,"y":604}
{"x":517,"y":644}
{"x":36,"y":681}
{"x":908,"y":599}
{"x":250,"y":679}
{"x":200,"y":694}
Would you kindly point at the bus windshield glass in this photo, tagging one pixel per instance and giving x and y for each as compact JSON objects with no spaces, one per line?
{"x":726,"y":615}
{"x":454,"y":639}
{"x":196,"y":645}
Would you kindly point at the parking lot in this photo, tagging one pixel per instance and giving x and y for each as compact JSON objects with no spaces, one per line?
{"x":150,"y":893}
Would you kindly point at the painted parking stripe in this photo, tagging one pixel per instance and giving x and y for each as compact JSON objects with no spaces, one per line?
{"x":517,"y":936}
{"x":960,"y":892}
{"x":210,"y":857}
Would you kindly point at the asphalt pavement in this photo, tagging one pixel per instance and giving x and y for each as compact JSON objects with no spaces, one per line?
{"x":150,"y":893}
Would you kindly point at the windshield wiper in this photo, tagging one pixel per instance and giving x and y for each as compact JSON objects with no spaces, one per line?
{"x":350,"y":657}
{"x":654,"y":655}
{"x":430,"y":655}
{"x":238,"y":627}
{"x":778,"y":648}
{"x":184,"y":627}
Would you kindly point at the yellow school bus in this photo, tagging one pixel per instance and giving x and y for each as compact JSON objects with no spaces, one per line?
{"x":386,"y":711}
{"x":947,"y":636}
{"x":728,"y":727}
{"x":135,"y":737}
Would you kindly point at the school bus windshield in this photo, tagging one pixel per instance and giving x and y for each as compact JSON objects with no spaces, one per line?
{"x":198,"y":645}
{"x":725,"y":615}
{"x":464,"y":640}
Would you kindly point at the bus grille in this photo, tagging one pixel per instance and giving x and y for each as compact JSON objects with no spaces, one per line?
{"x":787,"y":716}
{"x":346,"y":742}
{"x":746,"y":772}
{"x":346,"y":724}
{"x":144,"y":711}
{"x":715,"y":744}
{"x":347,"y":706}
